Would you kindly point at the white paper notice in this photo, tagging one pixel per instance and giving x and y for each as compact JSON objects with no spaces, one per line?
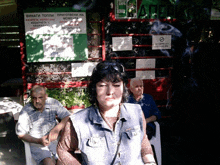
{"x":145,"y":63}
{"x":83,"y":69}
{"x":161,"y":42}
{"x":122,"y":43}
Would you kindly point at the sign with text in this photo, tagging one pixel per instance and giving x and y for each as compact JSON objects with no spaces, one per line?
{"x":55,"y":36}
{"x":122,"y":43}
{"x":83,"y":69}
{"x":145,"y":63}
{"x":126,"y":8}
{"x":161,"y":42}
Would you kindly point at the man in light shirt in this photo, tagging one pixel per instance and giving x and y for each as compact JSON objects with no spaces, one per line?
{"x":37,"y":124}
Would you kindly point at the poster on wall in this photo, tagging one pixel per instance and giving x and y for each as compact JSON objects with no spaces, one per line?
{"x":57,"y":35}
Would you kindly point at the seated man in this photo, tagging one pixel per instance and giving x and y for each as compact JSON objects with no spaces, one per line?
{"x":147,"y":104}
{"x":37,"y":125}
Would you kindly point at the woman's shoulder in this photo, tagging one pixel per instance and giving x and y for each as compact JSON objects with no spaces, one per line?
{"x":82,"y":113}
{"x":132,"y":107}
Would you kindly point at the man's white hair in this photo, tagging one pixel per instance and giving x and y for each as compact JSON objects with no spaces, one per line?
{"x":135,"y":79}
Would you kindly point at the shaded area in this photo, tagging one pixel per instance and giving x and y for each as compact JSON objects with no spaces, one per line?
{"x":191,"y":135}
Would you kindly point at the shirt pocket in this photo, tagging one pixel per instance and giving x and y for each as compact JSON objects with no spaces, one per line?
{"x":51,"y":115}
{"x":95,"y":149}
{"x":96,"y":141}
{"x":133,"y":132}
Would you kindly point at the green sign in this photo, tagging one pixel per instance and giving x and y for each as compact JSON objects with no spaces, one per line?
{"x":126,"y":8}
{"x":144,"y":9}
{"x":55,"y":35}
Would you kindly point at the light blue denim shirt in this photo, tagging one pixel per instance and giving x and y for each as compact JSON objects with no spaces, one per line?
{"x":98,"y":143}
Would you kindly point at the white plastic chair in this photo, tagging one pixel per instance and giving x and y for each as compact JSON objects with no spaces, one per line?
{"x":28,"y":157}
{"x":156,"y":142}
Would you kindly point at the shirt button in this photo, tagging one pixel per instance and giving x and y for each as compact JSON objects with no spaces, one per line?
{"x":119,"y":154}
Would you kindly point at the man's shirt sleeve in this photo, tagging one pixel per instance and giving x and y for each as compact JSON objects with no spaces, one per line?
{"x":154,"y":110}
{"x":62,"y":112}
{"x":23,"y":125}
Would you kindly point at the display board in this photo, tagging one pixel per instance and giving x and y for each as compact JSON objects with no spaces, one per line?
{"x":55,"y":34}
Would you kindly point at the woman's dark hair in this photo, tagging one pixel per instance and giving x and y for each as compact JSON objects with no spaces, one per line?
{"x":111,"y":71}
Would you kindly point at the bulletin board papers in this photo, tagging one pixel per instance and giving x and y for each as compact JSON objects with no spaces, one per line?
{"x":145,"y":63}
{"x":83,"y":69}
{"x":122,"y":43}
{"x":161,"y":42}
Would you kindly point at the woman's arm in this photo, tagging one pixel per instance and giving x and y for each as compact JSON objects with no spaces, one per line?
{"x":151,"y":119}
{"x":67,"y":145}
{"x":54,"y":133}
{"x":146,"y":149}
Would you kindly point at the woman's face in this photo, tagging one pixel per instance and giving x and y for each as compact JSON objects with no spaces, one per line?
{"x":109,"y":94}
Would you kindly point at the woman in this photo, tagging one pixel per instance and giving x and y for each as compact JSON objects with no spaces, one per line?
{"x":110,"y":131}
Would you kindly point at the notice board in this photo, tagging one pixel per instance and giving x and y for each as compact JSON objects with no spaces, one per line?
{"x":55,"y":34}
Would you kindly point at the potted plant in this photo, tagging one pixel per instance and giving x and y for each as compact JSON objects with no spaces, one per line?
{"x":71,"y":98}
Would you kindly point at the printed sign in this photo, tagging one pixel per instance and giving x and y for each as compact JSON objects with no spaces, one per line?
{"x":122,"y":43}
{"x":145,"y":63}
{"x":126,"y":8}
{"x":161,"y":42}
{"x":55,"y":36}
{"x":83,"y":69}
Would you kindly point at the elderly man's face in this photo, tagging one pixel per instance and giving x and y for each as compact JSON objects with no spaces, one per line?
{"x":137,"y":88}
{"x":38,"y":99}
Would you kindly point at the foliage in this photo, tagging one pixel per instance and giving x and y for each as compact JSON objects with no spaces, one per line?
{"x":70,"y":97}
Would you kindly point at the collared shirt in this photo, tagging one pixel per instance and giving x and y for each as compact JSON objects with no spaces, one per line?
{"x":98,"y":142}
{"x":38,"y":124}
{"x":148,"y":106}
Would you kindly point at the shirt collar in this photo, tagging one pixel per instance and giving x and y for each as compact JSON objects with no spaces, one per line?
{"x":47,"y":105}
{"x":95,"y":116}
{"x":142,"y":96}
